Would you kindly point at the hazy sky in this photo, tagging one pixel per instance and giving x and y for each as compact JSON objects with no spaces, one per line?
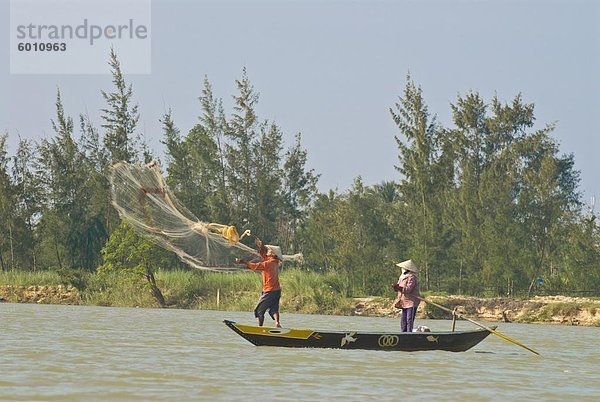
{"x":332,"y":69}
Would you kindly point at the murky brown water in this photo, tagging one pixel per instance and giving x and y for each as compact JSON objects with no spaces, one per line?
{"x":73,"y":353}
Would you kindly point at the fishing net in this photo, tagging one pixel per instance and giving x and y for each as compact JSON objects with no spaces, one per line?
{"x":142,"y":198}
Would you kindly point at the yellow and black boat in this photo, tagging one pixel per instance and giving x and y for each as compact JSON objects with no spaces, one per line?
{"x":453,"y":341}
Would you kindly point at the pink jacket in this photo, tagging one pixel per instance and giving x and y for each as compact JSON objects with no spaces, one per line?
{"x":410,"y":288}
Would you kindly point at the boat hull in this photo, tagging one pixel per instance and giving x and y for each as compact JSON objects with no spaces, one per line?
{"x":458,"y":341}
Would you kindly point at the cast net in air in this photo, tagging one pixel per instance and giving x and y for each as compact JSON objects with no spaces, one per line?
{"x":143,"y":199}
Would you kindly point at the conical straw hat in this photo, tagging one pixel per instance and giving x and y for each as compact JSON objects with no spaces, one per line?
{"x":408,"y":265}
{"x":276,"y":250}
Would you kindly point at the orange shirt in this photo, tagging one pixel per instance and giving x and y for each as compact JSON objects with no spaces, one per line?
{"x":270,"y":272}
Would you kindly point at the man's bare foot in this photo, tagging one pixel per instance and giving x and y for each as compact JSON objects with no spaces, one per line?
{"x":277,"y":325}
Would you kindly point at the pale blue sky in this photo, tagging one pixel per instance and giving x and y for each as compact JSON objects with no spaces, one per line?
{"x":332,"y":69}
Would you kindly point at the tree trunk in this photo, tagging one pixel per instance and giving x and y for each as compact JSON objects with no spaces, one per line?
{"x":155,"y":290}
{"x":12,"y":251}
{"x":58,"y":259}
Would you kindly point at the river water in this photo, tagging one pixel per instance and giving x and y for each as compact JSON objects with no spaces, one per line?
{"x":75,"y":353}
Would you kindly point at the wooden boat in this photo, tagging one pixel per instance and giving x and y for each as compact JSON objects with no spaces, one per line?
{"x":454,"y":341}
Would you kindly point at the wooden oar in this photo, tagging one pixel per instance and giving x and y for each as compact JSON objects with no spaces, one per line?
{"x":478,"y":324}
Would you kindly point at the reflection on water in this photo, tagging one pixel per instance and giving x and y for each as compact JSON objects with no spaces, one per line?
{"x":72,"y":353}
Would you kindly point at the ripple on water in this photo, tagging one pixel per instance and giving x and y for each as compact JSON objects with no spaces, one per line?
{"x":72,"y":353}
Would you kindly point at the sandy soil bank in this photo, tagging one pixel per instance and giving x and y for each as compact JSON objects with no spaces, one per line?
{"x":548,"y":309}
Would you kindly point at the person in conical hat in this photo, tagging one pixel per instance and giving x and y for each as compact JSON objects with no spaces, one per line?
{"x":408,"y":294}
{"x":271,"y":290}
{"x":275,"y":250}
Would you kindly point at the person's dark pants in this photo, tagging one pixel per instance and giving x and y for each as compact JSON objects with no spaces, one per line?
{"x":408,"y":319}
{"x":268,"y":301}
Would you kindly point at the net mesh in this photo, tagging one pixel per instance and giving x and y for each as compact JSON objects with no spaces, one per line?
{"x":143,"y":199}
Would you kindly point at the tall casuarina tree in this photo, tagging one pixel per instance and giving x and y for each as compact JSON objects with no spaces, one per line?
{"x":120,"y":116}
{"x":417,"y":156}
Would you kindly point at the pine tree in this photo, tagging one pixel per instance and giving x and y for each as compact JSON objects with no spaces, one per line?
{"x":120,"y":117}
{"x":215,"y":125}
{"x":196,"y":169}
{"x":267,"y":197}
{"x":7,"y":211}
{"x":101,"y":216}
{"x":418,"y":156}
{"x":242,"y":136}
{"x":67,"y":221}
{"x":580,"y":271}
{"x":299,"y":192}
{"x":178,"y":159}
{"x":467,"y":145}
{"x":29,"y":200}
{"x":61,"y":163}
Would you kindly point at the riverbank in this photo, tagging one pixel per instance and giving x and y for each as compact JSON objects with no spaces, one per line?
{"x":59,"y":294}
{"x":547,"y":309}
{"x":540,"y":309}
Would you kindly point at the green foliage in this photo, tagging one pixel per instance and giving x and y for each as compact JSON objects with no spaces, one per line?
{"x":242,"y":136}
{"x":134,"y":257}
{"x":7,"y":211}
{"x":120,"y":117}
{"x":194,"y":168}
{"x":314,"y":292}
{"x":580,"y":269}
{"x":198,"y":289}
{"x":560,"y":309}
{"x":127,"y":252}
{"x":72,"y":233}
{"x":352,"y":236}
{"x":232,"y":171}
{"x":483,"y":206}
{"x":299,"y":192}
{"x":307,"y":292}
{"x":549,"y":311}
{"x":423,"y":183}
{"x":27,"y":196}
{"x":75,"y":277}
{"x":490,"y":201}
{"x":116,"y":289}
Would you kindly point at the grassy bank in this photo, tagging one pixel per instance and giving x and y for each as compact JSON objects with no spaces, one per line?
{"x":304,"y":292}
